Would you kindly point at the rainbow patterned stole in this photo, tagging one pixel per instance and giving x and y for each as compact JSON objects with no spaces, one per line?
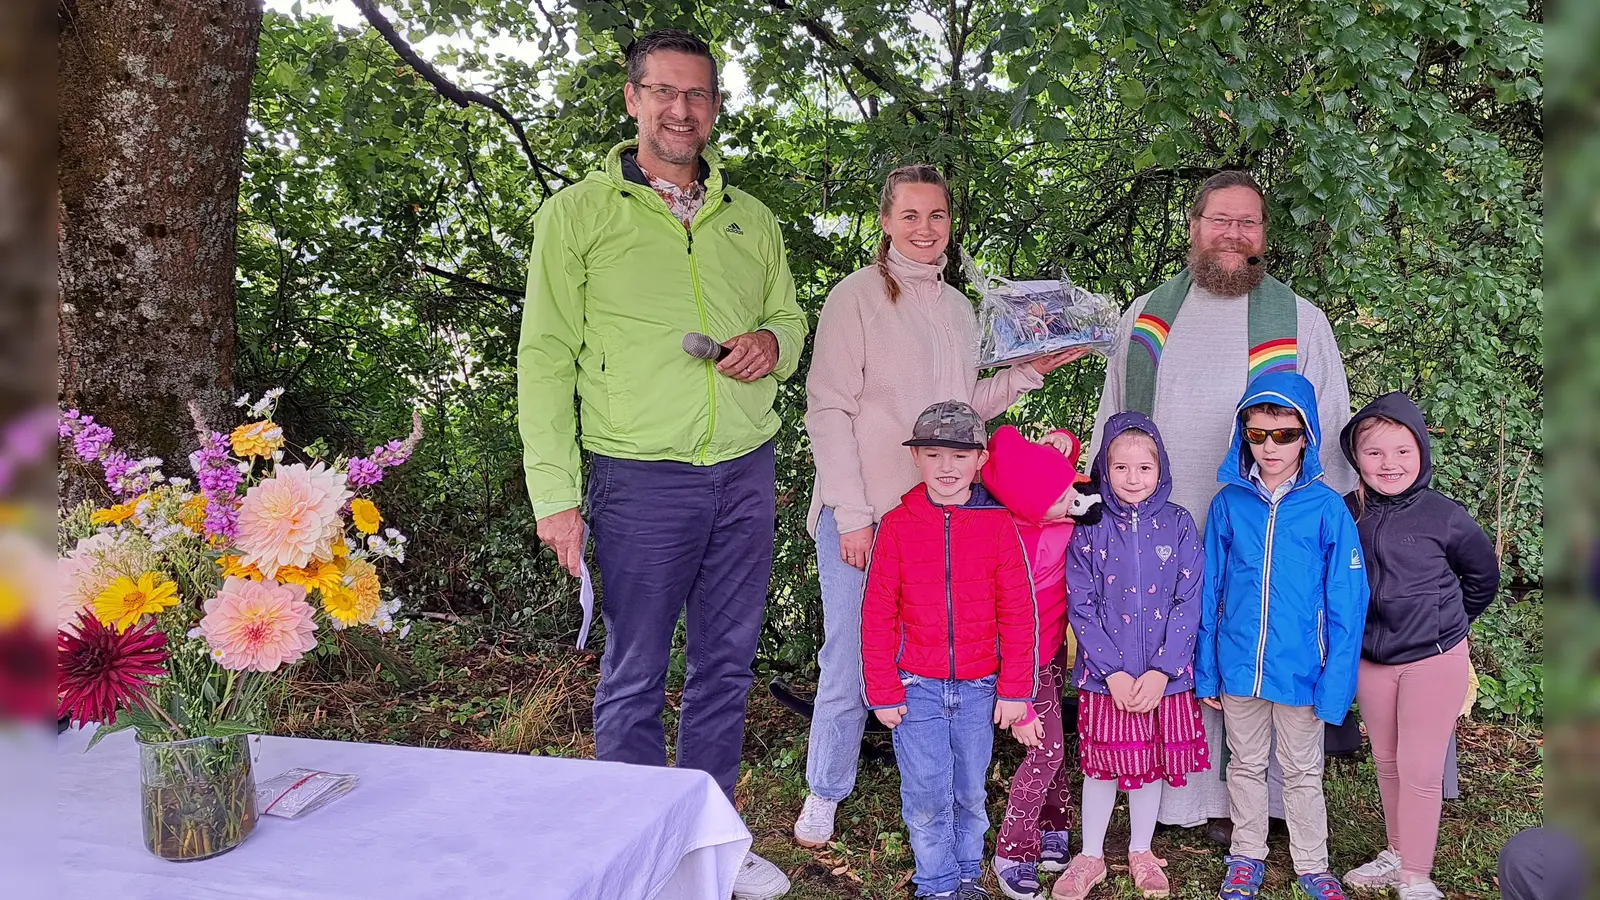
{"x":1273,"y":321}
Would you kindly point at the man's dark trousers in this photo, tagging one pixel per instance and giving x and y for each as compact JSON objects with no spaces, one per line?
{"x":671,"y":536}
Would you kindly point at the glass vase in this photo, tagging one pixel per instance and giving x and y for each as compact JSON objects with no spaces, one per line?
{"x":199,"y":796}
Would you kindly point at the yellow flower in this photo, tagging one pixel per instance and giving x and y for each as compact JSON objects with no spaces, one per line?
{"x":13,"y":602}
{"x":193,"y":514}
{"x":231,"y":568}
{"x":127,"y":601}
{"x":256,"y":439}
{"x":355,"y":603}
{"x":366,"y":516}
{"x":341,"y":550}
{"x":323,"y":576}
{"x":116,"y":515}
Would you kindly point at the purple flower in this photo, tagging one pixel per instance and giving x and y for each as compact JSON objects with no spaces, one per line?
{"x":218,"y":478}
{"x":364,"y":472}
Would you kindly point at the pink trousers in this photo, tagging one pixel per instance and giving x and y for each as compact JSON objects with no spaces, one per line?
{"x":1410,"y":711}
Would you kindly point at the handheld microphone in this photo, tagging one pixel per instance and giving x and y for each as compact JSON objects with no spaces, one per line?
{"x":703,"y":346}
{"x":1250,"y":260}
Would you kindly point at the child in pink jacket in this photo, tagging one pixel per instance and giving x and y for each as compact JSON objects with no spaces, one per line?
{"x":1035,"y":482}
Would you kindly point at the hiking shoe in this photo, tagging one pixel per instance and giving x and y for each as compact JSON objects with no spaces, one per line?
{"x":814,"y":828}
{"x":971,"y":890}
{"x":1148,"y":879}
{"x":1080,"y":877}
{"x":1054,"y":851}
{"x":1322,"y":886}
{"x":1219,"y":831}
{"x":1382,"y":872}
{"x":1243,"y":881}
{"x":759,"y":880}
{"x":1020,"y":881}
{"x":1421,"y":891}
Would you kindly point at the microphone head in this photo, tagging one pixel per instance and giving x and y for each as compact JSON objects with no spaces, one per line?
{"x":1253,"y":260}
{"x":701,"y":346}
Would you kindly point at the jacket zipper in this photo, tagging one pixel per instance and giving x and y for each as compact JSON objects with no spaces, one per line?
{"x":949,"y":602}
{"x":1377,"y":585}
{"x":1138,"y":581}
{"x":1322,"y":645}
{"x":700,"y":308}
{"x":1266,"y":592}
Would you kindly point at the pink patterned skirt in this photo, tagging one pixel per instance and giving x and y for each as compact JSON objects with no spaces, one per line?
{"x":1136,"y":749}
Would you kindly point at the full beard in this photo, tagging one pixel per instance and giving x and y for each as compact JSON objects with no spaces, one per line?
{"x":677,"y":154}
{"x":1206,"y":271}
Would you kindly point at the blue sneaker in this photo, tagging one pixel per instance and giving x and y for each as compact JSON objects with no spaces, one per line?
{"x":1322,"y":886}
{"x":1021,"y":881}
{"x":1054,"y":853}
{"x":1243,"y":881}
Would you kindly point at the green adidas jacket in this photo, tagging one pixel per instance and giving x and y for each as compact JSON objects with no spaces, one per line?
{"x":614,"y":283}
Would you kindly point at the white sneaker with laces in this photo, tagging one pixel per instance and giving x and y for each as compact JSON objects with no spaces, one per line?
{"x":1421,"y":891}
{"x":814,"y":828}
{"x":1380,"y":873}
{"x":759,"y":880}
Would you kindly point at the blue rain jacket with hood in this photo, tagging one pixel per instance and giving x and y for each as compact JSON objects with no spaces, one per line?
{"x":1134,"y":579}
{"x":1285,"y":598}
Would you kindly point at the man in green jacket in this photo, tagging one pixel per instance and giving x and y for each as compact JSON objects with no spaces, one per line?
{"x":681,"y":492}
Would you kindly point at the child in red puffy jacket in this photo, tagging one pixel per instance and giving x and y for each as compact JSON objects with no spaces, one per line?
{"x":947,"y":586}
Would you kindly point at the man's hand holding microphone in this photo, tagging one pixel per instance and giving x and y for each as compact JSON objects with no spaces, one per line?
{"x":747,"y":357}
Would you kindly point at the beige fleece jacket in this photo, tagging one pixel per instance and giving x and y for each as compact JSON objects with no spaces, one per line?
{"x":876,"y":365}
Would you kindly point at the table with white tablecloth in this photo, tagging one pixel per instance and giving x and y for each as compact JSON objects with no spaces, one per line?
{"x":422,"y":824}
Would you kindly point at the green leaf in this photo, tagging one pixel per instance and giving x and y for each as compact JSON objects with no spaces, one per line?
{"x":229,"y":729}
{"x":104,"y":731}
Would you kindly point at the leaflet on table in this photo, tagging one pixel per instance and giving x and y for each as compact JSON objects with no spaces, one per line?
{"x":1023,"y":320}
{"x":299,"y":791}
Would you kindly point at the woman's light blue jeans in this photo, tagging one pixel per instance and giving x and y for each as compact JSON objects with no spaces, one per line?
{"x":840,"y":715}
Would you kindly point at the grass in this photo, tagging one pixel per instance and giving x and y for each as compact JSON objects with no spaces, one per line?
{"x":466,"y":687}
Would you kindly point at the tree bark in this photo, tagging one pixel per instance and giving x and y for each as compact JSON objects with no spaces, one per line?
{"x":153,"y":101}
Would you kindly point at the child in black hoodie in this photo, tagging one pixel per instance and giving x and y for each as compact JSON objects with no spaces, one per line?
{"x":1432,"y":571}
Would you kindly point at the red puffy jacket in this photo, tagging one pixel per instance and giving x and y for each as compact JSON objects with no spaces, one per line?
{"x":948,"y":596}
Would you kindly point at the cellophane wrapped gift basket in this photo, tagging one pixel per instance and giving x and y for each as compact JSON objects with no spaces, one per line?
{"x":1020,"y":321}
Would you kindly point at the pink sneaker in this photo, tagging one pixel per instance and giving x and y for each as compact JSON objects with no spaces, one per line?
{"x":1080,"y":877}
{"x":1148,"y":878}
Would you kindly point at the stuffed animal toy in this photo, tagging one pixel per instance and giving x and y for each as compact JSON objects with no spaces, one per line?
{"x":1087,"y":507}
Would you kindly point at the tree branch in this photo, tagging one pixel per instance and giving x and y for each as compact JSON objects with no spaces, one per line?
{"x":456,"y":95}
{"x":819,"y":30}
{"x":475,"y":284}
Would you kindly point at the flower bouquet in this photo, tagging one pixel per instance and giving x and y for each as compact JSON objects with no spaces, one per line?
{"x":1020,"y":321}
{"x":183,"y":603}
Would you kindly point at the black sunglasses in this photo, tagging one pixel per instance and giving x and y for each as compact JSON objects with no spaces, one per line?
{"x":1280,"y":436}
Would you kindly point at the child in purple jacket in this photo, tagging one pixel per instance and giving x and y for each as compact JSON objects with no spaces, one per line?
{"x":1134,"y":583}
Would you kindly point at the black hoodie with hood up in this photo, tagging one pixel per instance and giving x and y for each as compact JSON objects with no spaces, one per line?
{"x":1431,"y":567}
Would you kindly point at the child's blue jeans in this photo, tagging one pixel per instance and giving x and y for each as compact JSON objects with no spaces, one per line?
{"x":942,"y":748}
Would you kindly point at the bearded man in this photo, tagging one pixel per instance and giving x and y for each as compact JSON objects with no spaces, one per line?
{"x":1183,"y":356}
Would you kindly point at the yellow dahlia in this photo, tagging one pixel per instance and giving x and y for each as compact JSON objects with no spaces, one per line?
{"x":256,"y":439}
{"x":116,"y":515}
{"x":322,"y":576}
{"x":341,"y":550}
{"x":366,"y":516}
{"x":193,"y":514}
{"x":231,"y":568}
{"x":127,"y":601}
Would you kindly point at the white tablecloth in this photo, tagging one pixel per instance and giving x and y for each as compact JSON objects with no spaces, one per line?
{"x":424,"y":824}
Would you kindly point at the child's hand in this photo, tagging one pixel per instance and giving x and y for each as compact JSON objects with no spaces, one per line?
{"x":1030,"y":735}
{"x":890,"y":717}
{"x":1147,"y":691}
{"x":1212,"y":702}
{"x":1009,"y":712}
{"x":1121,"y":684}
{"x":1061,"y":442}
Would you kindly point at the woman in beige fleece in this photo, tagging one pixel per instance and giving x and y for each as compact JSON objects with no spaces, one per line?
{"x":893,"y":339}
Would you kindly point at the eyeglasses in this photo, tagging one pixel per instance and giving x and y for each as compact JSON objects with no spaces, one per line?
{"x":666,"y":93}
{"x":1280,"y":436}
{"x":1224,"y":224}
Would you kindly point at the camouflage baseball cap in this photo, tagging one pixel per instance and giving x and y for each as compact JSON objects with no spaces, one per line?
{"x":949,"y":423}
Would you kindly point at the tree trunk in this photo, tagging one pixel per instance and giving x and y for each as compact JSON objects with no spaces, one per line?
{"x":153,"y":100}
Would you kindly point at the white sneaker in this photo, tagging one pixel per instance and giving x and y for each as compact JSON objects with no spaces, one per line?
{"x":814,"y":828}
{"x":759,"y":880}
{"x":1380,"y":873}
{"x":1421,"y":891}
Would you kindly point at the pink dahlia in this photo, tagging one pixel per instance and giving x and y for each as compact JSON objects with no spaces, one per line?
{"x":291,"y":518}
{"x":258,"y":626}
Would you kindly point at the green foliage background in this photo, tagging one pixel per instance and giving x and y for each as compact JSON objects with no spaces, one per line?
{"x":384,"y":228}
